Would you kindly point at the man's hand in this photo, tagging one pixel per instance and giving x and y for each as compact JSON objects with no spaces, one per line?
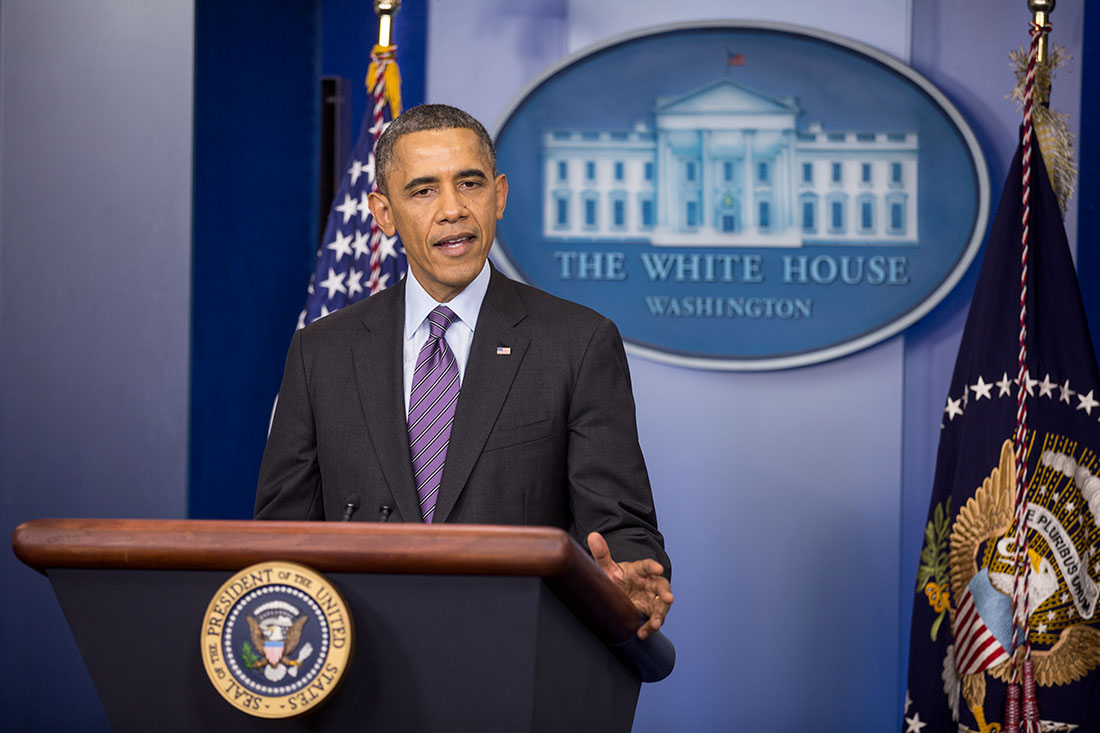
{"x":641,"y":580}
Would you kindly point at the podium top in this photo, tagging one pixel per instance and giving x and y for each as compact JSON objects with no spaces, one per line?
{"x":353,"y":547}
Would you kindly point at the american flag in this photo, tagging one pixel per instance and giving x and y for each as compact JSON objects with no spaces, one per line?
{"x":356,"y":259}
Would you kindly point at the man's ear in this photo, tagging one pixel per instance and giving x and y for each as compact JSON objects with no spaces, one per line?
{"x":501,"y":184}
{"x":380,"y":209}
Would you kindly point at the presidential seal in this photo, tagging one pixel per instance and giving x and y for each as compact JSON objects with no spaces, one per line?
{"x":970,"y":578}
{"x":276,"y":639}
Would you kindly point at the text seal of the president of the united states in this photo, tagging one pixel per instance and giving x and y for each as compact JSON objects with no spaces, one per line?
{"x":276,"y":639}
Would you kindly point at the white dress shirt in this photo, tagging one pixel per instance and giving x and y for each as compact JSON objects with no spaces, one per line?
{"x":418,"y":304}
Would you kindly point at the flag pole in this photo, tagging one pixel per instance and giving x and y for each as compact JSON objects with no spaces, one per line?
{"x":1023,"y":715}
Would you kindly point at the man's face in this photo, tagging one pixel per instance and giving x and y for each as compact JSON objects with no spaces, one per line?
{"x":445,"y":204}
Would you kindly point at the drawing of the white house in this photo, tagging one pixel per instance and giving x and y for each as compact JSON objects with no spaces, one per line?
{"x":724,"y":165}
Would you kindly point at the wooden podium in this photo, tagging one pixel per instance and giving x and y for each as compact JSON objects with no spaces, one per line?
{"x":456,"y":627}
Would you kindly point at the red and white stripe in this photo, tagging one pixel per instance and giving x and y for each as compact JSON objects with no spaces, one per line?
{"x":975,"y":646}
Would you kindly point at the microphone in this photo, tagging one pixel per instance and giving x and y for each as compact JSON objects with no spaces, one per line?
{"x":384,"y":513}
{"x":352,"y":505}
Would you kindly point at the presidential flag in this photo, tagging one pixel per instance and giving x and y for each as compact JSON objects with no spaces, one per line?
{"x":961,"y":643}
{"x":355,"y":258}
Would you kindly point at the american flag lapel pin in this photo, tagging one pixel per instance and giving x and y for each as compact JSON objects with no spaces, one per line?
{"x":504,"y":351}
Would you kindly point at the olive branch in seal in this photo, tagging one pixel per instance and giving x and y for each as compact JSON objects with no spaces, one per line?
{"x":932,"y":577}
{"x":249,"y":656}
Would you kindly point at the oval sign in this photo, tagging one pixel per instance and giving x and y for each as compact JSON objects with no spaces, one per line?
{"x":741,"y":196}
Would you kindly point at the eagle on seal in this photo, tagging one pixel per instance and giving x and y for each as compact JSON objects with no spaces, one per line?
{"x":985,"y":517}
{"x":278,"y":642}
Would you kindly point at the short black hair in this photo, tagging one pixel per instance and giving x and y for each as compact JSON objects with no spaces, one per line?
{"x":421,"y":118}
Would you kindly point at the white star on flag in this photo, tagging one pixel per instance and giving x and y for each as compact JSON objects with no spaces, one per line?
{"x":1046,"y":387}
{"x":354,"y":276}
{"x":914,"y":724}
{"x":1066,"y":392}
{"x":334,"y":283}
{"x":356,"y":170}
{"x":347,"y":208}
{"x":1004,"y":386}
{"x":387,"y":247}
{"x":953,"y":408}
{"x":361,"y":245}
{"x":340,"y":245}
{"x":368,"y":168}
{"x":1087,"y":403}
{"x":364,"y":206}
{"x":982,"y":389}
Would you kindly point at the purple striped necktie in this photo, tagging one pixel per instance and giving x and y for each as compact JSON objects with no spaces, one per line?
{"x":432,"y":409}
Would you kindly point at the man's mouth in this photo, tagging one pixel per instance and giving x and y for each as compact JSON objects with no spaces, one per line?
{"x":455,"y":243}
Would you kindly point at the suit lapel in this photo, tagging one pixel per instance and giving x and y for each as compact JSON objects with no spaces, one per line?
{"x":485,"y":385}
{"x":377,"y":355}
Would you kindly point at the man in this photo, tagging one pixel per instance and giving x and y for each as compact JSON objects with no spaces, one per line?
{"x":459,"y":395}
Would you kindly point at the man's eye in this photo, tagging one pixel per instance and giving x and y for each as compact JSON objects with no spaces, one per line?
{"x":421,"y":192}
{"x":470,"y":184}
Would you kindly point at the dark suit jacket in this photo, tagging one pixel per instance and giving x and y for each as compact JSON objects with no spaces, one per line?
{"x":543,"y":435}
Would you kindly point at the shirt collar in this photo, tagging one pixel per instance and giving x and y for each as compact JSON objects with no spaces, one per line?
{"x":466,"y":305}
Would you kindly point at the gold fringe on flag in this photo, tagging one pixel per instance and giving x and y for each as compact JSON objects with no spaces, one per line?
{"x":1051,"y":126}
{"x":391,"y":76}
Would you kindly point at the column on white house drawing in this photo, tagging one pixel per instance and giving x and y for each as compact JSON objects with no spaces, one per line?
{"x":706,"y":165}
{"x":748,"y":202}
{"x":666,"y":176}
{"x":790,"y":202}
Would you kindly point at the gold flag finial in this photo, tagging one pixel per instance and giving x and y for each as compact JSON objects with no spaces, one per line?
{"x":383,"y":65}
{"x":1040,"y":12}
{"x":386,"y":9}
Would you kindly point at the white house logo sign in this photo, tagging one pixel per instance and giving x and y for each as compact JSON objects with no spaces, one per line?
{"x":741,"y":196}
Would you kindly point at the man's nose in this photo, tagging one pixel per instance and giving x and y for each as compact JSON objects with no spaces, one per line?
{"x":451,"y":204}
